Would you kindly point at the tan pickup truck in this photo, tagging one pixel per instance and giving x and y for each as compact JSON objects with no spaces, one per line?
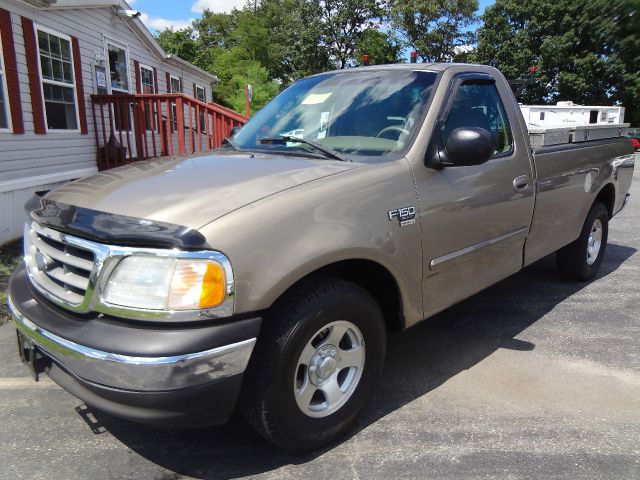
{"x":265,"y":276}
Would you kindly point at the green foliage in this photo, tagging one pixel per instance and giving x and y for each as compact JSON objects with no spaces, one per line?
{"x":381,"y":47}
{"x":263,"y":88}
{"x":295,"y":39}
{"x":179,"y":42}
{"x":10,"y":255}
{"x":587,"y":51}
{"x":275,"y":42}
{"x":343,"y":22}
{"x":435,"y":27}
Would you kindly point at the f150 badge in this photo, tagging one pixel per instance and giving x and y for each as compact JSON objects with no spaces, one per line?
{"x":406,"y":215}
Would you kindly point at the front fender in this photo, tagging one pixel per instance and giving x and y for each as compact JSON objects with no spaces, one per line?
{"x":276,"y":241}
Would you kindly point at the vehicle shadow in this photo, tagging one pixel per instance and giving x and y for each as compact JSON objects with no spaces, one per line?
{"x":418,"y":361}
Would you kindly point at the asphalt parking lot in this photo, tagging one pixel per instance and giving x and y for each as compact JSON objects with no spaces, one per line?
{"x":534,"y":378}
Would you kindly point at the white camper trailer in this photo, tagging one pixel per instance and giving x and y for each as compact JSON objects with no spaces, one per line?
{"x":568,"y":114}
{"x":568,"y":122}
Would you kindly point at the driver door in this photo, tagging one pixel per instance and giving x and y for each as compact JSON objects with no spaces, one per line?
{"x":474,"y":218}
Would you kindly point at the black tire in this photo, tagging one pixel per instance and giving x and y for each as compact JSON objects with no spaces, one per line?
{"x":572,"y":260}
{"x":268,"y":402}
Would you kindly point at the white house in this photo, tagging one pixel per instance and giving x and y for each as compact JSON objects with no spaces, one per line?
{"x":56,"y":54}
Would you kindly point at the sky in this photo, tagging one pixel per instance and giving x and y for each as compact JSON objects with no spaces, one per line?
{"x":160,"y":14}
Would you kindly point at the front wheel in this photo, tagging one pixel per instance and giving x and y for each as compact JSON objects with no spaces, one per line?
{"x":318,"y":358}
{"x":581,"y":259}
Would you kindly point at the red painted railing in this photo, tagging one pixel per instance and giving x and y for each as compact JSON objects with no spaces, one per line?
{"x":137,"y":127}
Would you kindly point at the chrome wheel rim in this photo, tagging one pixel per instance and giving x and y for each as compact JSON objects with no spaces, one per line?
{"x":329,"y":369}
{"x":594,"y":242}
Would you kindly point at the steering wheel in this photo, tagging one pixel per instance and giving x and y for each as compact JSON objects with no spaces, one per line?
{"x":392,"y":128}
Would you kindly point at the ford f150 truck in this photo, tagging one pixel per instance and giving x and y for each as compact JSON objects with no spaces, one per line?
{"x":266,"y":275}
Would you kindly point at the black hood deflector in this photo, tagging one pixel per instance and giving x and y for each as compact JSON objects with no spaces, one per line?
{"x":112,"y":229}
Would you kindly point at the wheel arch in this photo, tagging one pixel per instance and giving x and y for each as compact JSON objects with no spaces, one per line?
{"x":371,"y":276}
{"x":607,"y":195}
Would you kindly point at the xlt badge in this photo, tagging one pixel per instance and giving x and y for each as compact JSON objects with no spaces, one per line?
{"x":405,"y":215}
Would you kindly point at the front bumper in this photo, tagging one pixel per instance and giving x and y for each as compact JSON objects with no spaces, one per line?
{"x":152,"y":374}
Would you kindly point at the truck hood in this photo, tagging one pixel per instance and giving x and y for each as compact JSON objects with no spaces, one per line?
{"x":193,"y":191}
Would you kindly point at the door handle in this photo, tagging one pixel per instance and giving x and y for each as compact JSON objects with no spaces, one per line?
{"x":521,"y":183}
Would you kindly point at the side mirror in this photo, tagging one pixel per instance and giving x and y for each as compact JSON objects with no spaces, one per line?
{"x":467,"y":146}
{"x":235,"y":130}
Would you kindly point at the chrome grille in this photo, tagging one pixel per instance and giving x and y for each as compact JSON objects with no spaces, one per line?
{"x":58,"y":268}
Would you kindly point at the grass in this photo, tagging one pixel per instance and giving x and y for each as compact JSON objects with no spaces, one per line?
{"x":10,"y":255}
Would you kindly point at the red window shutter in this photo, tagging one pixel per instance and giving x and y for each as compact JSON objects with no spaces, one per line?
{"x":168,"y":82}
{"x":77,"y":67}
{"x":136,"y":67}
{"x":155,"y":81}
{"x":11,"y":71}
{"x":37,"y":104}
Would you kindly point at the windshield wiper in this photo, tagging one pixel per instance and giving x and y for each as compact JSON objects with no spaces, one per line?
{"x":289,"y":139}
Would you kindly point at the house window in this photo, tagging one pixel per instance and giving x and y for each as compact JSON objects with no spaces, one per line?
{"x":58,"y":83}
{"x":175,"y":84}
{"x":118,"y":67}
{"x":148,"y":87}
{"x":4,"y":106}
{"x":202,"y":96}
{"x":146,"y":77}
{"x":174,"y":87}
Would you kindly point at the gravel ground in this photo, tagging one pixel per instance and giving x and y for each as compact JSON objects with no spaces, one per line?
{"x":534,"y":378}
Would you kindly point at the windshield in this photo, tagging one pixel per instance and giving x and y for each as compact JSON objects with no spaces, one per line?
{"x":368,"y":113}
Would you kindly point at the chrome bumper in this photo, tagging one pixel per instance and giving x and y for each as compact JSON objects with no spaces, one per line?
{"x":137,"y":373}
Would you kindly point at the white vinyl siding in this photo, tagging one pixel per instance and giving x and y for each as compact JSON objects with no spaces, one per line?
{"x":40,"y":160}
{"x":55,"y":60}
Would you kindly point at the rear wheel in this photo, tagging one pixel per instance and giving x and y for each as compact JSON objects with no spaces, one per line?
{"x":318,"y":358}
{"x":581,"y":259}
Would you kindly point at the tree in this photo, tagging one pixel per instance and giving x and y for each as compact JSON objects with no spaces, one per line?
{"x":381,"y":47}
{"x":435,"y":27}
{"x":179,"y":42}
{"x":264,"y":89}
{"x":296,"y":41}
{"x":587,"y":51}
{"x":270,"y":43}
{"x":343,"y":23}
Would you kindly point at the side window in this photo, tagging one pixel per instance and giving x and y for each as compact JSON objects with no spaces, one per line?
{"x":118,"y":68}
{"x":479,"y":105}
{"x":4,"y":106}
{"x":58,"y":82}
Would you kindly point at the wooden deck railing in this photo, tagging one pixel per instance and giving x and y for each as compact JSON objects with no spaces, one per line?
{"x":137,"y":127}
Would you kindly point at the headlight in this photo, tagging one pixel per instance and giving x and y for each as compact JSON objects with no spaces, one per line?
{"x":163,"y":283}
